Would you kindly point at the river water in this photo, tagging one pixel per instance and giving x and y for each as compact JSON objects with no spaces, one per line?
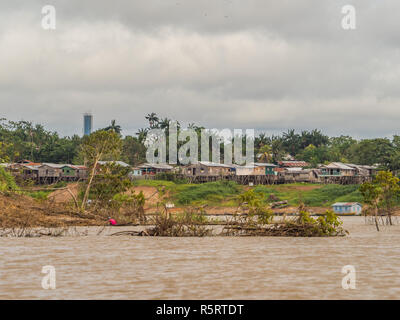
{"x":125,"y":267}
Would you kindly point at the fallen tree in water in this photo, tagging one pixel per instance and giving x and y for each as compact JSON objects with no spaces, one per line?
{"x":191,"y":223}
{"x":327,"y":225}
{"x":257,"y":222}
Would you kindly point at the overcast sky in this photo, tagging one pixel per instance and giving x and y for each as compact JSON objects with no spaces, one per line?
{"x":261,"y":64}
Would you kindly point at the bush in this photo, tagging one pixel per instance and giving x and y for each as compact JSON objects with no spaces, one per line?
{"x":7,"y":182}
{"x":39,"y":195}
{"x":187,"y":224}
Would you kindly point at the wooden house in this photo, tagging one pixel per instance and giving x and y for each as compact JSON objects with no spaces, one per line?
{"x":337,"y":169}
{"x":362,"y":170}
{"x":50,"y":172}
{"x":243,"y":170}
{"x":154,"y":168}
{"x":208,"y":169}
{"x":266,"y":169}
{"x":71,"y":172}
{"x":81,"y":172}
{"x":26,"y":171}
{"x":254,"y":169}
{"x":292,"y":175}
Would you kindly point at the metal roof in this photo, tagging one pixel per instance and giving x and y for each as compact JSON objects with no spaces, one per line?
{"x":74,"y":166}
{"x":296,"y":169}
{"x":293,"y":163}
{"x":33,"y":168}
{"x":214,"y":164}
{"x":54,"y":165}
{"x":360,"y":166}
{"x":264,"y":164}
{"x":242,"y":167}
{"x":337,"y":165}
{"x":156,"y":166}
{"x":345,"y":204}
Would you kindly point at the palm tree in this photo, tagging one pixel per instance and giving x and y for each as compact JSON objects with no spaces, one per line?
{"x":261,"y":140}
{"x":153,"y":119}
{"x":141,"y":135}
{"x":266,"y":153}
{"x":113,"y":127}
{"x":164,"y":123}
{"x":277,"y":149}
{"x":291,"y":141}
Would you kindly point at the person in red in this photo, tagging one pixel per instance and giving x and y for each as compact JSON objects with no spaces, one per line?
{"x":112,"y":222}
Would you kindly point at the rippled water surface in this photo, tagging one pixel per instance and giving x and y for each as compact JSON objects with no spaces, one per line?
{"x":104,"y":267}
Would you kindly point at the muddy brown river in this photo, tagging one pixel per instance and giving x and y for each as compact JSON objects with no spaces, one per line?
{"x":125,"y":267}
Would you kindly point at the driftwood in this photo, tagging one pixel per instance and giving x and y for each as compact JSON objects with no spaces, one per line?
{"x":277,"y":230}
{"x":280,"y":204}
{"x":130,"y":233}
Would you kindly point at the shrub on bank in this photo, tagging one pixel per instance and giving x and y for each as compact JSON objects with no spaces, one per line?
{"x":7,"y":182}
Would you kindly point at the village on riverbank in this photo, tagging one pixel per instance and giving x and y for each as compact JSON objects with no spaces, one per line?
{"x":109,"y":177}
{"x":290,"y":171}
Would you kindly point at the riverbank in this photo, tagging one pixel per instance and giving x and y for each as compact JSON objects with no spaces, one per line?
{"x":18,"y":210}
{"x":56,"y":210}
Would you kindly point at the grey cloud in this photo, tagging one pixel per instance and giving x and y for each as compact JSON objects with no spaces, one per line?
{"x":255,"y":64}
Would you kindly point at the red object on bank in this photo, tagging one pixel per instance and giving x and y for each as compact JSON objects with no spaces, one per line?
{"x":112,"y":222}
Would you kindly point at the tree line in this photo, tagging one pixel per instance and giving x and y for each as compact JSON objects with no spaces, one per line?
{"x":25,"y":140}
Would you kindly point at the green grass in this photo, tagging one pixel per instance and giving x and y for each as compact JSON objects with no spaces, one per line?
{"x":213,"y":193}
{"x":154,"y":183}
{"x":221,"y":193}
{"x":224,"y":193}
{"x":321,"y":196}
{"x":7,"y":182}
{"x":39,"y":195}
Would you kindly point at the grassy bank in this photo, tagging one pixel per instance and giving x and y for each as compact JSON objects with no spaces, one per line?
{"x":225,"y":193}
{"x":213,"y":193}
{"x":313,"y":195}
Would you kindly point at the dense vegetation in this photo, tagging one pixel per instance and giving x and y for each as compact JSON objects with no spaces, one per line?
{"x":25,"y":140}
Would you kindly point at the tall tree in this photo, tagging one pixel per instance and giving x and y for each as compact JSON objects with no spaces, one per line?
{"x":291,"y":141}
{"x":133,"y":151}
{"x":153,"y":119}
{"x":96,"y":146}
{"x":141,"y":135}
{"x":113,"y":127}
{"x":382,"y":194}
{"x":266,"y":154}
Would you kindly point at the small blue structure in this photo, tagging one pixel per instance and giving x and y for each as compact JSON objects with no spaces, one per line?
{"x":347,"y":208}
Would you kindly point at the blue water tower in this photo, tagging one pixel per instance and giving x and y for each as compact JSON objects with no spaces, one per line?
{"x":87,"y":123}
